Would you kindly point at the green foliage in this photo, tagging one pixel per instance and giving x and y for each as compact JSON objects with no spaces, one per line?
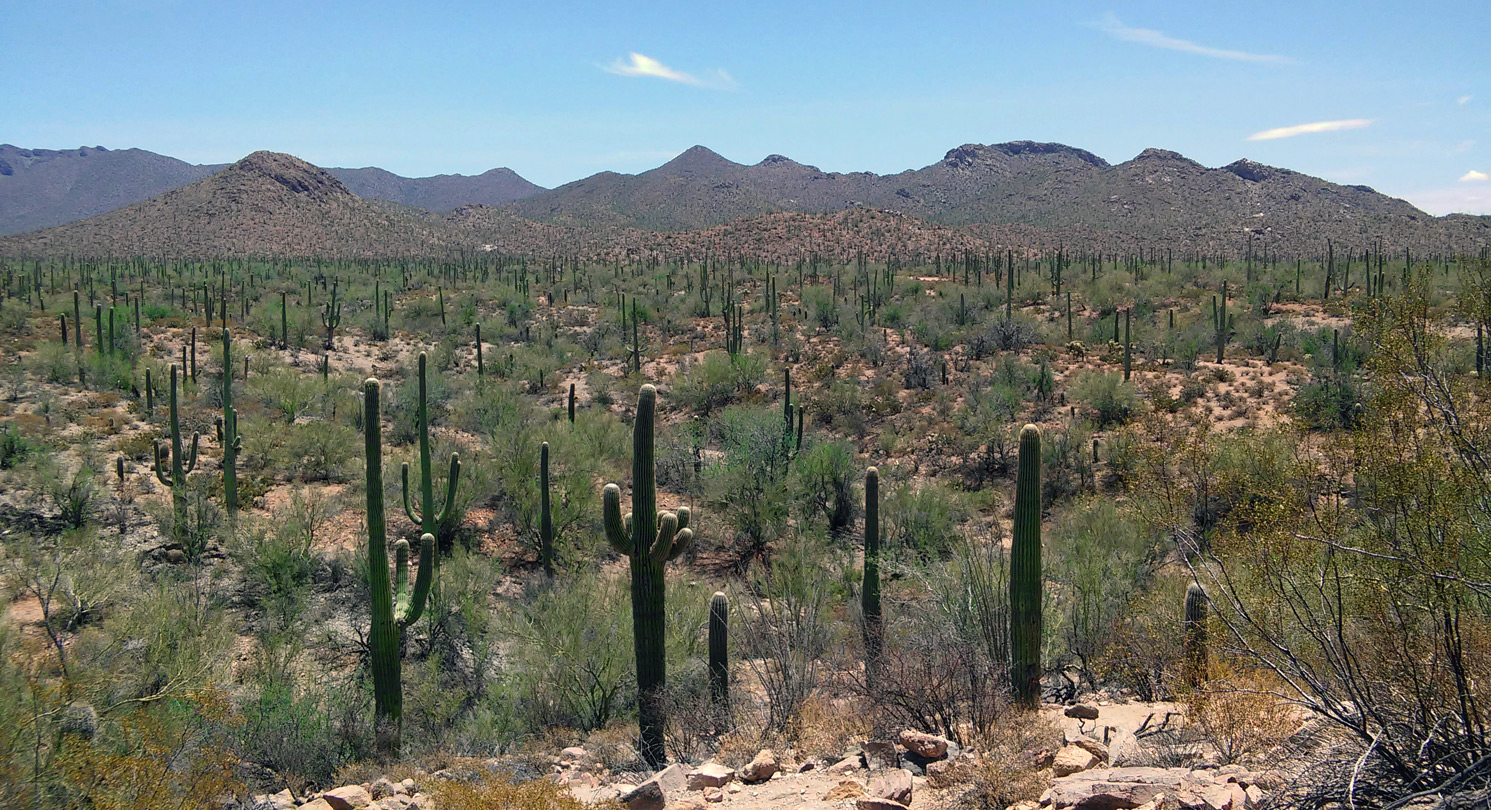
{"x":13,"y":447}
{"x":1098,"y":558}
{"x":1106,"y":398}
{"x":747,"y":484}
{"x":923,"y":523}
{"x":823,"y":479}
{"x":718,"y":379}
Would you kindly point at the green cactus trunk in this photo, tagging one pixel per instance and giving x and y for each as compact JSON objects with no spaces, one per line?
{"x":1128,"y":353}
{"x":481,"y":366}
{"x":1195,"y":655}
{"x":1025,"y":574}
{"x":430,"y":520}
{"x":870,"y":590}
{"x":393,"y":608}
{"x":232,"y":442}
{"x":1222,"y":325}
{"x":545,"y":518}
{"x":719,"y":658}
{"x":571,"y":403}
{"x":77,"y":322}
{"x":284,"y":321}
{"x":181,"y":467}
{"x":650,"y":539}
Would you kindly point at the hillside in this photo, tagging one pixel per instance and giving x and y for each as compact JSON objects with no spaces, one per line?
{"x":440,"y":193}
{"x":266,"y":204}
{"x":40,"y":188}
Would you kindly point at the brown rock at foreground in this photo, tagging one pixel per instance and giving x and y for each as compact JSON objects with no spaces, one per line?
{"x":893,"y":784}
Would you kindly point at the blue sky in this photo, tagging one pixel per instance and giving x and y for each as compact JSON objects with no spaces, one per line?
{"x":1400,"y":93}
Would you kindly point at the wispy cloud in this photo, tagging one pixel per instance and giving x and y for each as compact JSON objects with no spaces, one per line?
{"x":1310,"y":129}
{"x":637,"y":64}
{"x":1465,"y":99}
{"x":1113,"y":27}
{"x":1474,"y":176}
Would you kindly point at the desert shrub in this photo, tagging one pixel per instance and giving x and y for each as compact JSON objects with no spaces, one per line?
{"x":296,"y":733}
{"x":54,"y":363}
{"x":71,"y":493}
{"x":1330,"y":401}
{"x":320,"y":450}
{"x":287,"y":390}
{"x":13,"y":447}
{"x":1239,"y":714}
{"x":923,"y":522}
{"x":491,"y":791}
{"x":1006,"y":335}
{"x":747,"y":482}
{"x":717,"y":379}
{"x":277,"y":560}
{"x":1008,"y":769}
{"x":1098,"y":559}
{"x":1106,"y":397}
{"x":1144,"y":651}
{"x":784,"y":630}
{"x":824,"y":476}
{"x":922,"y":369}
{"x":403,"y":406}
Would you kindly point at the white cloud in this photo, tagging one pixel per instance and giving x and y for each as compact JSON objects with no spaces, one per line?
{"x":1473,"y":199}
{"x":637,"y":64}
{"x":1309,"y":129}
{"x":1115,"y":28}
{"x":1474,"y":176}
{"x":1463,"y":100}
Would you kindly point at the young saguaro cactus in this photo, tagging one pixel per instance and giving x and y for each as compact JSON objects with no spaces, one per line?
{"x":227,"y":432}
{"x":1025,"y":574}
{"x":650,"y":539}
{"x":393,"y":608}
{"x":719,"y":655}
{"x":181,"y":466}
{"x":1194,"y":645}
{"x":870,"y":589}
{"x":431,"y":521}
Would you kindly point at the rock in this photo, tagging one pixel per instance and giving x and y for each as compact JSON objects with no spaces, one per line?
{"x":733,"y":787}
{"x":350,"y":797}
{"x":760,"y":769}
{"x":1159,"y":802}
{"x":847,"y":765}
{"x":1124,"y":749}
{"x":847,"y":789}
{"x":1088,"y":744}
{"x":690,"y":803}
{"x":880,"y":754}
{"x":1073,"y":759}
{"x":709,"y":775}
{"x":1119,"y":788}
{"x":1025,"y":804}
{"x":316,"y":804}
{"x":936,"y":769}
{"x":574,"y":754}
{"x":390,"y":803}
{"x":713,"y":795}
{"x":1253,"y":796}
{"x":1082,"y":711}
{"x":646,"y":796}
{"x":924,"y":745}
{"x":869,"y":803}
{"x":382,"y":788}
{"x":277,"y":801}
{"x":891,"y":783}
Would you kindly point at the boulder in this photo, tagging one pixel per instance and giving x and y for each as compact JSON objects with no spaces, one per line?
{"x":709,"y":775}
{"x":1088,"y":744}
{"x":869,"y":803}
{"x":655,"y":793}
{"x":1082,"y":711}
{"x":925,"y":745}
{"x":275,"y":801}
{"x":847,"y":765}
{"x":1073,"y":759}
{"x":316,"y":804}
{"x":880,"y":754}
{"x":575,"y":754}
{"x":382,"y":788}
{"x":760,"y":769}
{"x":349,"y":797}
{"x":713,"y":795}
{"x":1125,"y":788}
{"x":891,"y":783}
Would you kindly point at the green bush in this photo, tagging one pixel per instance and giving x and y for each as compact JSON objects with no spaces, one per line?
{"x":1106,"y":397}
{"x":923,"y":522}
{"x":718,"y":379}
{"x":1098,"y":558}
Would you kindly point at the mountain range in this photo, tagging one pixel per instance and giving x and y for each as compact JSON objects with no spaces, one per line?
{"x":977,"y":197}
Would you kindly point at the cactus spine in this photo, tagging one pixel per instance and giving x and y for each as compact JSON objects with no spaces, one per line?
{"x":430,"y":521}
{"x":650,"y":539}
{"x":1025,"y":574}
{"x":870,"y":591}
{"x":393,"y":609}
{"x":545,"y":517}
{"x":228,"y":432}
{"x":1195,"y":656}
{"x":719,"y":656}
{"x":181,"y":466}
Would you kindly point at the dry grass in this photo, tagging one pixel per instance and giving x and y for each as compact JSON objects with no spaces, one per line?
{"x":540,"y":794}
{"x":1240,"y":714}
{"x":1011,"y":762}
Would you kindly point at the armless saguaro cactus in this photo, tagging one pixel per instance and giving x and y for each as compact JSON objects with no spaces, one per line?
{"x":228,"y":432}
{"x":395,"y":608}
{"x":650,"y":539}
{"x":181,"y":466}
{"x":719,"y":656}
{"x":431,"y":521}
{"x":1025,"y":574}
{"x":870,"y":590}
{"x":545,"y":516}
{"x":1194,"y":645}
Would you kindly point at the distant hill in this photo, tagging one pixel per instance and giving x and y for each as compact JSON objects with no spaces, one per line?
{"x":266,"y":204}
{"x":441,"y":193}
{"x":1159,"y":197}
{"x":40,"y":188}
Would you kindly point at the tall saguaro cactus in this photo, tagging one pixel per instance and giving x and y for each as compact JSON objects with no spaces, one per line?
{"x":181,"y":466}
{"x":650,"y":539}
{"x":870,"y":590}
{"x":1194,"y":645}
{"x":545,"y":517}
{"x":719,"y":655}
{"x":1025,"y":574}
{"x":228,"y":432}
{"x":393,"y":608}
{"x":331,"y":318}
{"x":431,"y":521}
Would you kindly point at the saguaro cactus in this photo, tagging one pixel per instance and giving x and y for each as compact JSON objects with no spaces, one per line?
{"x":650,"y":539}
{"x":870,"y":590}
{"x":545,"y":517}
{"x":571,"y":403}
{"x":719,"y":655}
{"x":393,"y":609}
{"x":181,"y":466}
{"x":1025,"y":574}
{"x":1194,"y":645}
{"x":1222,"y":325}
{"x":331,"y":318}
{"x":228,"y":432}
{"x":430,"y":520}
